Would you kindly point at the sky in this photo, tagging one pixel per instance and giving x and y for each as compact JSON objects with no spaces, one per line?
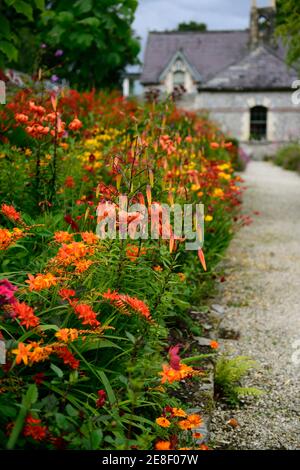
{"x":160,"y":15}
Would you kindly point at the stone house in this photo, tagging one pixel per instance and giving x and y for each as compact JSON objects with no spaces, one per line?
{"x":240,"y":77}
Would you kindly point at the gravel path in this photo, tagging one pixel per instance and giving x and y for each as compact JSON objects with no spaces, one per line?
{"x":262,"y":294}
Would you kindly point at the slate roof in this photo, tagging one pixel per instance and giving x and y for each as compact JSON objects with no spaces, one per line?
{"x":221,"y":58}
{"x":261,"y":69}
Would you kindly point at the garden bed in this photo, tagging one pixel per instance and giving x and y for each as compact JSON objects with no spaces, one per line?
{"x":100,"y":335}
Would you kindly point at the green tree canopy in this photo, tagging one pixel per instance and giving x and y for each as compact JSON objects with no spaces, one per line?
{"x":14,"y":16}
{"x":288,"y":20}
{"x":96,"y":39}
{"x":88,"y":42}
{"x":192,"y":26}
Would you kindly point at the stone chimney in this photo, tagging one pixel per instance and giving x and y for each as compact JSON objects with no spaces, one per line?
{"x":262,"y":24}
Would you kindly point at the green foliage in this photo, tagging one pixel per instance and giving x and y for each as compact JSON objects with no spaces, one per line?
{"x":228,"y":375}
{"x":14,"y":16}
{"x":192,"y":26}
{"x":289,"y":157}
{"x":288,"y":20}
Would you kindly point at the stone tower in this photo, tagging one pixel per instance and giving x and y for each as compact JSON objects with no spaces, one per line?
{"x":262,"y":24}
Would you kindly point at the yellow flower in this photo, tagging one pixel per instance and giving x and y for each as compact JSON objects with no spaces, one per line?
{"x":224,"y":176}
{"x":208,"y":218}
{"x":195,"y":187}
{"x":225,"y":166}
{"x":28,"y":152}
{"x":218,"y":192}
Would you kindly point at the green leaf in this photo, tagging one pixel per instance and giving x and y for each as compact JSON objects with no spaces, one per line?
{"x":71,"y":411}
{"x":28,"y":400}
{"x":61,"y":421}
{"x":9,"y":50}
{"x":24,"y":8}
{"x":40,"y":4}
{"x":65,"y":17}
{"x":31,"y":396}
{"x":91,"y":21}
{"x":4,"y":27}
{"x":110,"y":393}
{"x":57,"y":370}
{"x":96,"y":439}
{"x":83,"y":6}
{"x":97,"y":344}
{"x":84,"y":39}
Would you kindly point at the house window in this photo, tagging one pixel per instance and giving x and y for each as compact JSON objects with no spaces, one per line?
{"x":258,"y":123}
{"x":178,"y":78}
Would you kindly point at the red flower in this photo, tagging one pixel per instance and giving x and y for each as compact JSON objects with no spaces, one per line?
{"x":69,"y":182}
{"x":39,"y":378}
{"x":71,"y":222}
{"x":65,"y":294}
{"x":68,"y":358}
{"x":86,"y":314}
{"x":101,"y":398}
{"x":34,"y":429}
{"x":26,"y":315}
{"x":75,"y":125}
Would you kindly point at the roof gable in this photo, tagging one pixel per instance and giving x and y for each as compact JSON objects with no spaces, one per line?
{"x":179,"y":55}
{"x":207,"y":52}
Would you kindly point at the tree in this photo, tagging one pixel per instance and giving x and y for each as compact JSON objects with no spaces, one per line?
{"x":14,"y":16}
{"x":192,"y":26}
{"x":94,"y":38}
{"x":288,"y":21}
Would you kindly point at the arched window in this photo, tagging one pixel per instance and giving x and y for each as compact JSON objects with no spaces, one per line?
{"x":258,"y":123}
{"x":178,"y":78}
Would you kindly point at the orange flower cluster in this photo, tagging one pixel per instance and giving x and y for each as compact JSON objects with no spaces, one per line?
{"x":167,"y":144}
{"x":63,"y":237}
{"x":39,"y":123}
{"x":193,"y":421}
{"x":11,"y":213}
{"x":67,"y":334}
{"x":73,"y":254}
{"x":171,"y":375}
{"x":86,"y":314}
{"x":34,"y":352}
{"x":89,"y":238}
{"x":133,"y":252}
{"x":25,"y":314}
{"x":41,"y":281}
{"x":8,"y":237}
{"x":124,"y":303}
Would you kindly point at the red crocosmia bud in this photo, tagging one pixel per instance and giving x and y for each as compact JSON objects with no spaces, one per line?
{"x":101,"y":398}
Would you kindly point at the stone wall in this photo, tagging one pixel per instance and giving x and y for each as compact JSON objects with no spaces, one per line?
{"x":231,"y":110}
